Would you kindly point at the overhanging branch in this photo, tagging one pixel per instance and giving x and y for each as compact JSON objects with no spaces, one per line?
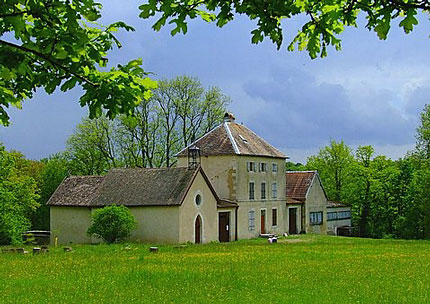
{"x":48,"y":59}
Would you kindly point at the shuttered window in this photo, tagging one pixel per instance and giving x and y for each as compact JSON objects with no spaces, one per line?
{"x":251,"y":220}
{"x":274,"y":190}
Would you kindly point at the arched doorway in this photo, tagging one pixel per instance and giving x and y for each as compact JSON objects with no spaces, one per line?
{"x":198,"y":230}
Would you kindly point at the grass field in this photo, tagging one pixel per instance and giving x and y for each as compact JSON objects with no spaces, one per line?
{"x":303,"y":269}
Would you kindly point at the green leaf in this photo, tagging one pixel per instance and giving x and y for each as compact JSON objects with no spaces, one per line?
{"x":409,"y":21}
{"x":69,"y":84}
{"x":62,"y":54}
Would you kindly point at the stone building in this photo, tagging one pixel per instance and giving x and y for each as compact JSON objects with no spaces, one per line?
{"x":245,"y":169}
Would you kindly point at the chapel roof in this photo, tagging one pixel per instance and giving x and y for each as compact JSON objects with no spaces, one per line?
{"x":129,"y":187}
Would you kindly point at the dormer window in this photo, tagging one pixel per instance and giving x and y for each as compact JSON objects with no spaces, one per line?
{"x":243,"y":139}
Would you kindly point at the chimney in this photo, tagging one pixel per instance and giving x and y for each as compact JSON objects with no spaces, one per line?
{"x":229,"y":117}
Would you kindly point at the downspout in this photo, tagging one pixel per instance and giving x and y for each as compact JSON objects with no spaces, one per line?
{"x":303,"y":228}
{"x":235,"y":224}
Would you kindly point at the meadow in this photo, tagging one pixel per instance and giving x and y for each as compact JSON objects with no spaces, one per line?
{"x":298,"y":269}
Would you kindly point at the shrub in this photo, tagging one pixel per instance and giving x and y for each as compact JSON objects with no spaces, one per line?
{"x":112,"y":223}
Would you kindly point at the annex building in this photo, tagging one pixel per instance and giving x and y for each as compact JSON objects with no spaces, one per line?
{"x":229,"y":184}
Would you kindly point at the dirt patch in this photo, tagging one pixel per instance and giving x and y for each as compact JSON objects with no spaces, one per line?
{"x":294,"y":241}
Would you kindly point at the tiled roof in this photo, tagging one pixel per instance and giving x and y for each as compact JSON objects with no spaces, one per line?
{"x":298,"y":183}
{"x":76,"y":191}
{"x":231,"y":138}
{"x":129,"y":187}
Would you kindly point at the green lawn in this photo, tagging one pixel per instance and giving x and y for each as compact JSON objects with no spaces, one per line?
{"x":305,"y":269}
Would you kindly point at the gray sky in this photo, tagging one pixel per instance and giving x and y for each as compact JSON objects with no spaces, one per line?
{"x":371,"y":92}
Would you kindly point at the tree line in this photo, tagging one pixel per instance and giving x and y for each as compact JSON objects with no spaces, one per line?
{"x":388,"y":198}
{"x":179,"y":111}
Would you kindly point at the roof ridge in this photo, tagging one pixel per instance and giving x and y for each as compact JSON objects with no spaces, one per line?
{"x":230,"y":136}
{"x":306,"y":171}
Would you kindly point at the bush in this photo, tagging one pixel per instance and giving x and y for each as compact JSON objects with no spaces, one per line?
{"x":112,"y":223}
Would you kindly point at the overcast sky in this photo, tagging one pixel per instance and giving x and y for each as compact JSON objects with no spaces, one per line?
{"x":371,"y":92}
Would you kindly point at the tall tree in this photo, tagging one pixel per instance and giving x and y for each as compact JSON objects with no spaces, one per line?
{"x":180,"y":110}
{"x":55,"y":169}
{"x":420,"y":183}
{"x":423,"y":134}
{"x":138,"y":137}
{"x":333,"y":163}
{"x":92,"y":150}
{"x":186,"y":111}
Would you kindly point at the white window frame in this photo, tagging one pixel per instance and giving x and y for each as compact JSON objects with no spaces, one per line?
{"x":274,"y":168}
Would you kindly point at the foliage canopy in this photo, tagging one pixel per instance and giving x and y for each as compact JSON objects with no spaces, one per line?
{"x":57,"y":43}
{"x":326,"y":19}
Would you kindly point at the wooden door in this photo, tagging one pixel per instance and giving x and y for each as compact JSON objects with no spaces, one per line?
{"x":224,"y":226}
{"x":263,"y":221}
{"x":292,"y":221}
{"x":198,"y":230}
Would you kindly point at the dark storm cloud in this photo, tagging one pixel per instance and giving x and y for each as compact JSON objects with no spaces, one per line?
{"x":310,"y":113}
{"x":417,"y":100}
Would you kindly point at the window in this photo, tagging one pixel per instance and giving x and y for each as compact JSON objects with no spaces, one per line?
{"x":251,"y":220}
{"x":331,"y":216}
{"x":263,"y":167}
{"x":274,"y":217}
{"x":274,"y":190}
{"x":263,"y":190}
{"x":274,"y":167}
{"x":251,"y":190}
{"x":198,"y":199}
{"x":250,"y":166}
{"x":316,"y":218}
{"x":344,"y":215}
